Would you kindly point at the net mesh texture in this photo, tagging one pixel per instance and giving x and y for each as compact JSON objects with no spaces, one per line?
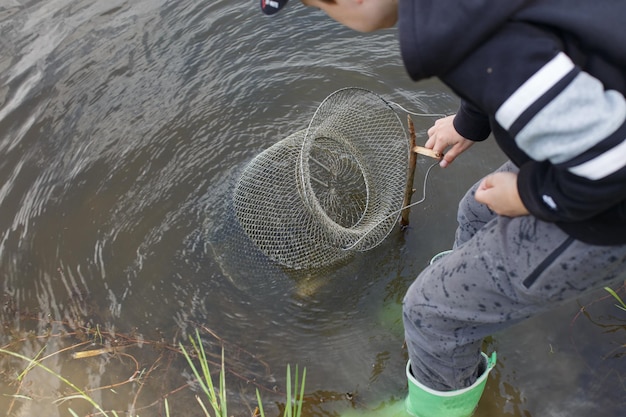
{"x":333,"y":188}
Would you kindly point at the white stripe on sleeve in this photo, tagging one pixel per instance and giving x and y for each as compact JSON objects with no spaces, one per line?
{"x":533,"y":89}
{"x":603,"y":165}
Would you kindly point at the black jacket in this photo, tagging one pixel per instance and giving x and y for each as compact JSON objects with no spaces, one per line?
{"x":548,"y":79}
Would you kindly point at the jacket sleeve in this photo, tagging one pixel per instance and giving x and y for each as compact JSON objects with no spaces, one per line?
{"x":566,"y":130}
{"x":471,"y":123}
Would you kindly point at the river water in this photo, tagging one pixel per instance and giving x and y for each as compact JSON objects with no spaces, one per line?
{"x":123,"y":128}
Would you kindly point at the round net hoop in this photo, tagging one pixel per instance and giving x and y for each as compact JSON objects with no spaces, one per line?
{"x":336,"y":187}
{"x":359,"y":126}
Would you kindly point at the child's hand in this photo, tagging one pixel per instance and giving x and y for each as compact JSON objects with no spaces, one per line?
{"x":499,"y":192}
{"x":442,"y":136}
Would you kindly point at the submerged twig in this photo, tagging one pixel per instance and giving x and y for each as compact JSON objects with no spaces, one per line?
{"x":409,"y":190}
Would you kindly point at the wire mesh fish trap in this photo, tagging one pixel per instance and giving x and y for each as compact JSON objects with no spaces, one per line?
{"x":327,"y":191}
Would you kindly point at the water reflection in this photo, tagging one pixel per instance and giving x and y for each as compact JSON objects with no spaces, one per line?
{"x":123,"y":126}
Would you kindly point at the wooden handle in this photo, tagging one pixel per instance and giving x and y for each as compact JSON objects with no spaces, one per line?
{"x":428,"y":152}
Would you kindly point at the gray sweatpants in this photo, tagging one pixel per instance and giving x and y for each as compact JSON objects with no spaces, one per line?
{"x":502,"y":270}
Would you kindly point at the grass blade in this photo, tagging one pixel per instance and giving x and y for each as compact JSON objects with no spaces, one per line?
{"x":617,"y":297}
{"x":258,"y":399}
{"x":203,"y":376}
{"x":32,"y":363}
{"x":288,"y":405}
{"x":301,"y":399}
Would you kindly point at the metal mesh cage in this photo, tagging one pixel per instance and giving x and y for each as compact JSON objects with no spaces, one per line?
{"x":333,"y":188}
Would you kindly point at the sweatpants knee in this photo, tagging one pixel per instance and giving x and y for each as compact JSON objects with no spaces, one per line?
{"x":422,"y":314}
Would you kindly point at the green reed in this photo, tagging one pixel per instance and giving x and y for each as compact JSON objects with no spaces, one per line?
{"x":622,"y":304}
{"x":293,"y":407}
{"x":80,"y":394}
{"x":218,"y":402}
{"x":203,"y":375}
{"x":216,"y":398}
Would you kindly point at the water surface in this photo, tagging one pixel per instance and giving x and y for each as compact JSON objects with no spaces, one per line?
{"x":123,"y":127}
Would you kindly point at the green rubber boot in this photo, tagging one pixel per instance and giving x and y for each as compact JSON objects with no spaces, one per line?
{"x":426,"y":402}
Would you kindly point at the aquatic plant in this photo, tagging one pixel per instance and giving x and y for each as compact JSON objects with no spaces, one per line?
{"x":622,"y":304}
{"x":293,"y":407}
{"x":214,"y":394}
{"x":203,"y":377}
{"x":218,"y":401}
{"x":79,"y":393}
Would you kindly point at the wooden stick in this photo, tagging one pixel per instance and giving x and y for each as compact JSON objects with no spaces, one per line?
{"x":408,"y":191}
{"x":96,"y":352}
{"x":425,"y":151}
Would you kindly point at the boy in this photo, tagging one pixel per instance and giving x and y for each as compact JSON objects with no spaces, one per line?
{"x":547,"y":78}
